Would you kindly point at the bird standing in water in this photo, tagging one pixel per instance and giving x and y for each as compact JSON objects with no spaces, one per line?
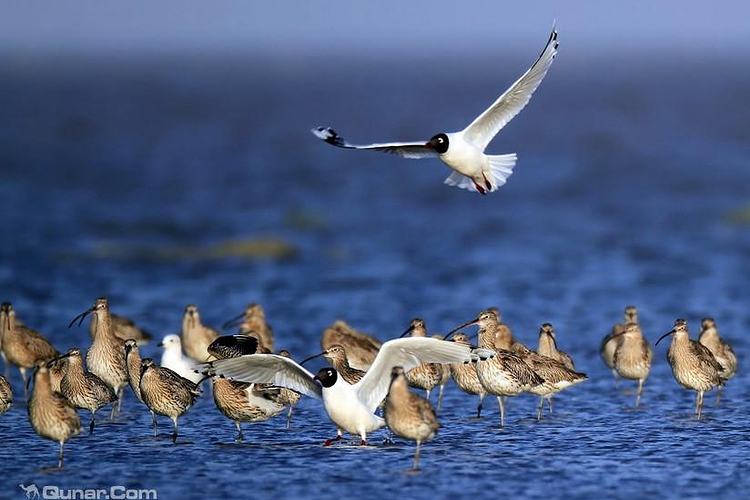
{"x":693,"y":365}
{"x":722,"y":351}
{"x":166,"y":393}
{"x":49,"y":413}
{"x":84,"y":390}
{"x":408,"y":415}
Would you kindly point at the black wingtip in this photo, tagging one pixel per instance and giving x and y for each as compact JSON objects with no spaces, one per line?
{"x":232,"y":346}
{"x":328,"y":135}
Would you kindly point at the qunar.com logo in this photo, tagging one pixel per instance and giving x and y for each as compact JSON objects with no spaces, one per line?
{"x":119,"y":492}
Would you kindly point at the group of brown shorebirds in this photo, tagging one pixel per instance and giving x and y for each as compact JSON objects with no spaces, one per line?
{"x":251,"y":384}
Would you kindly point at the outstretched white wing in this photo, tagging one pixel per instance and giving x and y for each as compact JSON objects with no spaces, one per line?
{"x":481,"y":131}
{"x":407,"y":353}
{"x":265,"y":369}
{"x":414,"y":150}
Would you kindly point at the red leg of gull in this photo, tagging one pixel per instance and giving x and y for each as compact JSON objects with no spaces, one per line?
{"x":487,"y":183}
{"x":332,"y":440}
{"x":479,"y":188}
{"x":363,"y":443}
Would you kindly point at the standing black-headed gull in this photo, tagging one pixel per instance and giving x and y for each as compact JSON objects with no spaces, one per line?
{"x":350,"y":407}
{"x":464,"y":151}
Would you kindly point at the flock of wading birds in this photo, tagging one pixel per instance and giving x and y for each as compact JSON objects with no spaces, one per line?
{"x":251,"y":384}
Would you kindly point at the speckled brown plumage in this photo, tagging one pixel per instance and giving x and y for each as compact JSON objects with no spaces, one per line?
{"x":505,"y":374}
{"x":548,"y":346}
{"x":722,"y":351}
{"x":125,"y":328}
{"x":555,"y":375}
{"x":6,"y":395}
{"x":465,"y":375}
{"x":166,"y":393}
{"x":361,"y":348}
{"x":503,"y":334}
{"x":408,"y":415}
{"x":195,"y":336}
{"x":608,"y":344}
{"x":254,"y":320}
{"x":337,"y":357}
{"x":133,"y":364}
{"x":56,"y":367}
{"x":106,"y":356}
{"x":49,"y":413}
{"x":246,"y":402}
{"x":693,"y":365}
{"x":632,"y":357}
{"x":426,"y":376}
{"x":82,"y":389}
{"x":22,"y":346}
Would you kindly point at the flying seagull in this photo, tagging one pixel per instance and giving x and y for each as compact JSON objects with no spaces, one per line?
{"x":463,"y":151}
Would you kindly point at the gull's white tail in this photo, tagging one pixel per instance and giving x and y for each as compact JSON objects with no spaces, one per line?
{"x":501,"y":167}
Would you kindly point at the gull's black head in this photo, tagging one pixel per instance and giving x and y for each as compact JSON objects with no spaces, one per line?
{"x":327,"y":377}
{"x":439,"y":143}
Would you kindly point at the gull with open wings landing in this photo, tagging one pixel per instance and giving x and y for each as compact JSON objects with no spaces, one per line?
{"x":350,"y":407}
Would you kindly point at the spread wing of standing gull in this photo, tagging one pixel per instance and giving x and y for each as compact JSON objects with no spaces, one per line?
{"x":350,"y":407}
{"x":463,"y":151}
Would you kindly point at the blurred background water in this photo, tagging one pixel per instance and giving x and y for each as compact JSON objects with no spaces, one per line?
{"x":164,"y":157}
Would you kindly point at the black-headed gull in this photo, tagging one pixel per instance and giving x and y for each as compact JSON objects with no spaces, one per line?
{"x":463,"y":151}
{"x":350,"y":407}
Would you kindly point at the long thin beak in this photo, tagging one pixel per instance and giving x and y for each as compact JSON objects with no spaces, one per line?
{"x":407,"y":331}
{"x":554,"y":342}
{"x":160,"y":344}
{"x":429,"y":145}
{"x":468,"y":323}
{"x":53,"y":360}
{"x":81,"y":316}
{"x":313,"y":357}
{"x":233,"y":322}
{"x":668,"y":333}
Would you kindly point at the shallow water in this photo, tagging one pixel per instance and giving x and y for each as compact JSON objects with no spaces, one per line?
{"x":144,"y":182}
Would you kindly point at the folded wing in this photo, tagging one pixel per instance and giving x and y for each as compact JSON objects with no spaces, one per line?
{"x":481,"y":131}
{"x":414,"y":150}
{"x":265,"y":369}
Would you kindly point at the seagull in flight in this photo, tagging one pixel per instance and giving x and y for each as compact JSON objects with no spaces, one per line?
{"x":350,"y":407}
{"x":463,"y":151}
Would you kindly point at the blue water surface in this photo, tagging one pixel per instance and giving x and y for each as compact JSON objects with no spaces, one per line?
{"x":153,"y":182}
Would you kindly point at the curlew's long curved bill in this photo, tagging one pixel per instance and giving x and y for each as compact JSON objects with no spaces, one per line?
{"x":52,"y":361}
{"x":312,"y":357}
{"x":407,"y":331}
{"x":468,"y":323}
{"x":231,"y":323}
{"x":554,"y":341}
{"x":81,"y":317}
{"x":660,"y":338}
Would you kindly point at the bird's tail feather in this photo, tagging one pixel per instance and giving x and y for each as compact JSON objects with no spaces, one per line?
{"x":501,"y":167}
{"x":460,"y":180}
